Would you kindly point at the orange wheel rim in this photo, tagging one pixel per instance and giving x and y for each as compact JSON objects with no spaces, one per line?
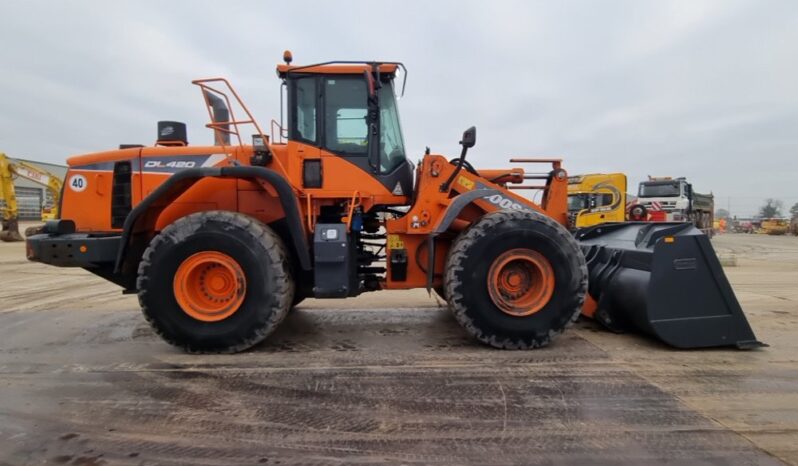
{"x":521,"y":282}
{"x":210,"y":286}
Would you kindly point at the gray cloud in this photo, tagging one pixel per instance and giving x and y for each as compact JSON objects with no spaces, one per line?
{"x":705,"y":89}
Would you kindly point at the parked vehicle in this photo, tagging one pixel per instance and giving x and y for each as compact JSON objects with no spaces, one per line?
{"x":677,"y":199}
{"x":220,"y":242}
{"x":774,"y":226}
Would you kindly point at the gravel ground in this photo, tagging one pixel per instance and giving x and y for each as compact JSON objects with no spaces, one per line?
{"x":388,"y":377}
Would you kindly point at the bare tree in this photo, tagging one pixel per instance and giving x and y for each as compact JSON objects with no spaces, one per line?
{"x":772,"y":208}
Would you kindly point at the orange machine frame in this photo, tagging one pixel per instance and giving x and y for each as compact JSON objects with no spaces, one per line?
{"x":428,"y":215}
{"x":431,"y":215}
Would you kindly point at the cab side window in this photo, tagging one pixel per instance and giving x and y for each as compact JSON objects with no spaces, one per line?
{"x":345,"y":108}
{"x":597,"y":200}
{"x":603,"y":200}
{"x":303,"y":118}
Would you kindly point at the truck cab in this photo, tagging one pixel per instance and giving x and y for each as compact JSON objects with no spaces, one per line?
{"x":677,"y":201}
{"x":665,"y":194}
{"x":596,"y":198}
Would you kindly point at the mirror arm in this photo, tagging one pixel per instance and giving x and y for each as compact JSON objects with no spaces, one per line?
{"x":469,"y":139}
{"x":373,"y":118}
{"x":373,"y":143}
{"x":375,"y":68}
{"x":369,"y":82}
{"x":461,"y":161}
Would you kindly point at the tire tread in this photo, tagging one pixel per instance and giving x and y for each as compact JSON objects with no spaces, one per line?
{"x":454,"y":264}
{"x":278,"y":255}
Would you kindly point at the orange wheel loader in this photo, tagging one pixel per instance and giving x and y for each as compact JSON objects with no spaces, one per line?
{"x":219,"y":242}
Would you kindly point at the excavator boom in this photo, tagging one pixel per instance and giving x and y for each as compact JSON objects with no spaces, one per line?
{"x":10,"y":213}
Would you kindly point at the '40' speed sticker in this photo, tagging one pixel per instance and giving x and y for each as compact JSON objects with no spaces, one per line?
{"x":77,"y":183}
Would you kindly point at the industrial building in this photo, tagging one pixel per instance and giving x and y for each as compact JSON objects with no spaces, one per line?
{"x":31,"y":196}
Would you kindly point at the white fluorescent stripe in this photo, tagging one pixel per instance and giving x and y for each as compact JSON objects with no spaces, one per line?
{"x":89,"y":170}
{"x":213,"y":160}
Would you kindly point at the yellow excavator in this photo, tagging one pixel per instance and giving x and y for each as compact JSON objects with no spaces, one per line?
{"x":9,"y":213}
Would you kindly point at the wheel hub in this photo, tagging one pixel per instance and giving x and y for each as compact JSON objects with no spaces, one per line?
{"x":209,"y":286}
{"x":520,"y":282}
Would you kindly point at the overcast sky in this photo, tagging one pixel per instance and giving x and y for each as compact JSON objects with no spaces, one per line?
{"x":703,"y":89}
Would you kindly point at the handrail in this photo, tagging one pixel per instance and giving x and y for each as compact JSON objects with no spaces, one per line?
{"x":282,"y":132}
{"x":206,"y":88}
{"x":555,"y":163}
{"x":534,"y":160}
{"x":311,"y":226}
{"x":352,"y":205}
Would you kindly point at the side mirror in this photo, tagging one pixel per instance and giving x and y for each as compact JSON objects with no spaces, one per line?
{"x":469,"y":138}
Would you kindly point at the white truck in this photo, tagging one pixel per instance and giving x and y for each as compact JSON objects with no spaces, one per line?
{"x":677,"y":201}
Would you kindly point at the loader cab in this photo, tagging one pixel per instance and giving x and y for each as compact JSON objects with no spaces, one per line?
{"x":349,"y":111}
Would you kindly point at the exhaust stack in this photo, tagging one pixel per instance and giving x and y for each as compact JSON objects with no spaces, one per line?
{"x":221,"y":118}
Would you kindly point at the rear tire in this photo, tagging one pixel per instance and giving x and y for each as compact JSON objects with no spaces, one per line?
{"x":258,"y":262}
{"x":554,"y":297}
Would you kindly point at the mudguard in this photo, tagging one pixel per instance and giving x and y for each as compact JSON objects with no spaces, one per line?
{"x":178,"y":183}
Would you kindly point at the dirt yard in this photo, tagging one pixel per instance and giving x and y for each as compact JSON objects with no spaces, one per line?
{"x":388,"y":377}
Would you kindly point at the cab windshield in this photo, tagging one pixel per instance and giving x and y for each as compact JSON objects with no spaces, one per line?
{"x":660,"y":189}
{"x":392,"y":146}
{"x":581,"y":201}
{"x":577,"y":202}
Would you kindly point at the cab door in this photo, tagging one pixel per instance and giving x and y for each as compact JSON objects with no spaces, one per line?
{"x":606,"y":200}
{"x":304,"y":132}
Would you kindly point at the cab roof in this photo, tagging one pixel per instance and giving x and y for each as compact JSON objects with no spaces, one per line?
{"x":337,"y":68}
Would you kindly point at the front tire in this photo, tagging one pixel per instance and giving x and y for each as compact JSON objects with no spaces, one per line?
{"x":515,"y":279}
{"x":298,"y":298}
{"x":215,"y":282}
{"x":441,"y":292}
{"x":638,"y":213}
